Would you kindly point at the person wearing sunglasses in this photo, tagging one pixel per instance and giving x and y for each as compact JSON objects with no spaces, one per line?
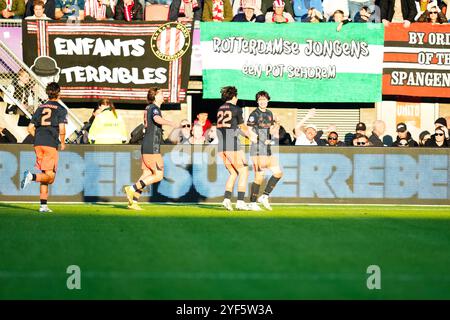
{"x":439,"y":139}
{"x":181,"y":134}
{"x":332,"y":140}
{"x":404,"y":138}
{"x":361,"y":140}
{"x":433,"y":15}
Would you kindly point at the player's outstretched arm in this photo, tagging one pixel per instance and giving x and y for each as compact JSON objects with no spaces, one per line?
{"x":164,"y":122}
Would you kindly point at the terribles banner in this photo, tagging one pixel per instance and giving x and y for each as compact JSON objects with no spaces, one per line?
{"x":116,"y":60}
{"x":302,"y":62}
{"x":417,"y":60}
{"x":197,"y":174}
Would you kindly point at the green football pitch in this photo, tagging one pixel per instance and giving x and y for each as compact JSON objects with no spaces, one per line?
{"x":203,"y":252}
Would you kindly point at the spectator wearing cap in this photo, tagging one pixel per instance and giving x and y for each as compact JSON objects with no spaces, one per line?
{"x":361,"y":140}
{"x":332,"y":140}
{"x":267,"y":6}
{"x":248,"y":14}
{"x":404,"y":138}
{"x":217,"y":11}
{"x":379,"y":127}
{"x":439,"y":139}
{"x":424,"y":136}
{"x":441,"y":122}
{"x":279,"y":15}
{"x":361,"y":129}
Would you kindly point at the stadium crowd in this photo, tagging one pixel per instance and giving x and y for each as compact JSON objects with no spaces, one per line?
{"x":269,"y":11}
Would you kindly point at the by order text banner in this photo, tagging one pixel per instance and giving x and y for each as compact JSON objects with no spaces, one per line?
{"x":301,"y":62}
{"x":196,"y":174}
{"x":115,"y":60}
{"x":417,"y":60}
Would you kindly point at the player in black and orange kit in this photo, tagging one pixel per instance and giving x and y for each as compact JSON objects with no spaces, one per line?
{"x":262,"y":122}
{"x":152,"y":161}
{"x":229,"y":124}
{"x":48,"y":128}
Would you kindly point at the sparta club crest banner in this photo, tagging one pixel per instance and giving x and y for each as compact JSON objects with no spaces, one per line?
{"x":417,"y":60}
{"x":294,"y":62}
{"x":116,"y":60}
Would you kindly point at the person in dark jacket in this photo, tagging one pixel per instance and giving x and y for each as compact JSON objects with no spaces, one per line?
{"x":248,"y":14}
{"x":49,"y":8}
{"x":379,"y":127}
{"x":177,"y":10}
{"x":404,"y":138}
{"x":406,"y":12}
{"x":128,"y":10}
{"x":6,"y":136}
{"x":439,"y":139}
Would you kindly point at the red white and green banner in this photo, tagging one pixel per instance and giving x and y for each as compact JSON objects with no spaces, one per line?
{"x":417,"y":60}
{"x":294,"y":62}
{"x":115,"y":60}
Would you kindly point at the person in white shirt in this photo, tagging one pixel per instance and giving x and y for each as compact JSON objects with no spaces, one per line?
{"x":305,"y":134}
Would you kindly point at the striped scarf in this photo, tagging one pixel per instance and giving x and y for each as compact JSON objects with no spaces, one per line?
{"x":95,"y":9}
{"x":217,"y":11}
{"x":128,"y":11}
{"x":183,"y":5}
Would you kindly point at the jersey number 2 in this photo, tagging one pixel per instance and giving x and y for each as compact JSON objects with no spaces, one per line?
{"x":224,"y":119}
{"x":46,"y":114}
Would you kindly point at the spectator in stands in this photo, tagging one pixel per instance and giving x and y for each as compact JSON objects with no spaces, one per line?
{"x":6,"y":136}
{"x":304,"y":135}
{"x":398,"y":11}
{"x":364,"y":15}
{"x":361,"y":140}
{"x":217,"y":11}
{"x":284,"y":138}
{"x":99,"y":9}
{"x":21,"y":90}
{"x":211,"y":135}
{"x":39,"y":11}
{"x":248,"y":14}
{"x":238,"y":6}
{"x":49,"y":8}
{"x":445,"y":8}
{"x":129,"y":10}
{"x":439,"y":139}
{"x":330,"y":7}
{"x":267,"y":6}
{"x":182,"y":134}
{"x":404,"y":138}
{"x":338,"y":17}
{"x":354,"y":7}
{"x":379,"y":127}
{"x":185,"y":10}
{"x":69,"y":9}
{"x":108,"y":127}
{"x":202,"y":119}
{"x":360,"y":128}
{"x":434,"y":15}
{"x":424,"y":136}
{"x":314,"y":16}
{"x":301,"y":8}
{"x":279,"y":15}
{"x":12,"y":9}
{"x":332,"y":140}
{"x":197,"y":135}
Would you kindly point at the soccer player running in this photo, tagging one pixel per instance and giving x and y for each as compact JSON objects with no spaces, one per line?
{"x":262,"y":122}
{"x":47,"y":125}
{"x":152,"y":161}
{"x":229,"y":124}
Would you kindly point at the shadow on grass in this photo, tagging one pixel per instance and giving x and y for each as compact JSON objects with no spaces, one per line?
{"x":15,"y":206}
